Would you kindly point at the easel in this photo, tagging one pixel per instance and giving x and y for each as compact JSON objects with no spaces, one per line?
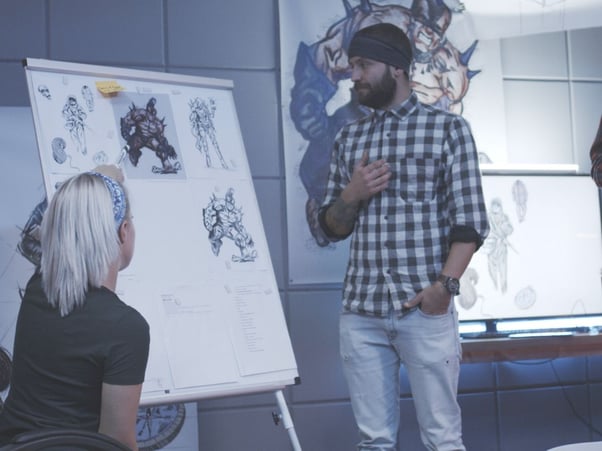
{"x":286,"y":420}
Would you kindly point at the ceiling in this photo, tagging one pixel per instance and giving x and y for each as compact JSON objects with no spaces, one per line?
{"x":491,"y":19}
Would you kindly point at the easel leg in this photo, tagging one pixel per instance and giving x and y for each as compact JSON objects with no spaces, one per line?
{"x":287,"y":421}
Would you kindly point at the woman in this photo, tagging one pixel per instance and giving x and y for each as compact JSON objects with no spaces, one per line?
{"x":80,"y":353}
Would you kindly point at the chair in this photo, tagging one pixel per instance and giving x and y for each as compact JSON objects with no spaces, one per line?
{"x":63,"y":440}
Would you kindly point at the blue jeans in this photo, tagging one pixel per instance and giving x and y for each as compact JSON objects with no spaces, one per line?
{"x":372,"y":350}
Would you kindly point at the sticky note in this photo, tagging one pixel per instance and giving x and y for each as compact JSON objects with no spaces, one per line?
{"x":108,"y":87}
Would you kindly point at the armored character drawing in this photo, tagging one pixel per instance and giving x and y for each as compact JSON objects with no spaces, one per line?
{"x":496,"y":245}
{"x":203,"y":129}
{"x":75,"y":123}
{"x":440,"y":76}
{"x":141,"y":128}
{"x":223,"y":219}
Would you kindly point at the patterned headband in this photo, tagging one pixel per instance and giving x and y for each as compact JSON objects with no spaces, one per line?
{"x":117,"y":195}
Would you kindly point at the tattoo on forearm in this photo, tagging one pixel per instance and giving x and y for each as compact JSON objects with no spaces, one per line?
{"x":341,"y":216}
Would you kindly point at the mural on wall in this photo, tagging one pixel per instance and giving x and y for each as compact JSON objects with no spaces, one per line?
{"x":447,"y":72}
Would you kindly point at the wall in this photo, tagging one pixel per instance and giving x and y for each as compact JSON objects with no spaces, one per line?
{"x":518,"y":406}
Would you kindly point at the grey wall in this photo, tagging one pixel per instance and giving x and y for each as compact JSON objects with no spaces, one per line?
{"x":518,"y":406}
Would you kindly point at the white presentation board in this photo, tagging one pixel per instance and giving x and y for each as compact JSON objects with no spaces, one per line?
{"x":201,"y":274}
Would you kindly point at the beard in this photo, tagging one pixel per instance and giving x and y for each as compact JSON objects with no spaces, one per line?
{"x":379,"y":95}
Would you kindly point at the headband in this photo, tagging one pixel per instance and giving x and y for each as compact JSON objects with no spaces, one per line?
{"x":373,"y":48}
{"x":117,"y":195}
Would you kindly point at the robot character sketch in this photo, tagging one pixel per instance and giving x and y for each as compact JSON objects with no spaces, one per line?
{"x":496,"y":245}
{"x":203,"y":129}
{"x":141,"y":128}
{"x":439,"y":75}
{"x":75,"y":123}
{"x":223,"y":220}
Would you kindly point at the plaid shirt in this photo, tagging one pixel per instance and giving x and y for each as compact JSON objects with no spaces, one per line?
{"x":596,"y":155}
{"x":401,"y":236}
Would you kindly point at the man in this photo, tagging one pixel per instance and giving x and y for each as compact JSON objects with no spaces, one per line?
{"x":595,"y":154}
{"x":405,"y":182}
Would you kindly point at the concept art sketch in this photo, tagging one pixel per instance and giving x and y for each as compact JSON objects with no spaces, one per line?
{"x":43,"y":89}
{"x":525,"y":298}
{"x":58,"y":150}
{"x":203,"y":129}
{"x":440,"y":76}
{"x":88,"y":97}
{"x":6,"y":369}
{"x":519,"y":196}
{"x":100,"y":157}
{"x":75,"y":123}
{"x":141,"y":128}
{"x":223,"y":219}
{"x":468,"y":294}
{"x":29,"y":246}
{"x":496,"y":245}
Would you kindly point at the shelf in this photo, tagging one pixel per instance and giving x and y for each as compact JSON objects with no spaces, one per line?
{"x":501,"y":349}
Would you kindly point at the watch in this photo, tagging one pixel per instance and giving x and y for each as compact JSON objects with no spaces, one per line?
{"x":451,"y":284}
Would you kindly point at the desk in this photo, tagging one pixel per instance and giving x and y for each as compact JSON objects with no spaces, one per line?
{"x":499,"y":349}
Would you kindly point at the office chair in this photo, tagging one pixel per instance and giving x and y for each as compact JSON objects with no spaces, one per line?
{"x":63,"y":440}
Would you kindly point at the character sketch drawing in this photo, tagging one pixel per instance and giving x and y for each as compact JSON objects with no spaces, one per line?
{"x":201,"y":118}
{"x":142,"y":128}
{"x":75,"y":123}
{"x":223,"y":220}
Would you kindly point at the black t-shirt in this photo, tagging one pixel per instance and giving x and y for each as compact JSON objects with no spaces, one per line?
{"x":60,"y":363}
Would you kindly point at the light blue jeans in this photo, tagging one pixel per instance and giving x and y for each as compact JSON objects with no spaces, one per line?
{"x":372,"y":350}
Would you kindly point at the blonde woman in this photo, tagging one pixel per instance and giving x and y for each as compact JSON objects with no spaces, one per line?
{"x":80,"y":353}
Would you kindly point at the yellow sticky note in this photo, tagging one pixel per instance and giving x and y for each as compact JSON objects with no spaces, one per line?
{"x":108,"y":87}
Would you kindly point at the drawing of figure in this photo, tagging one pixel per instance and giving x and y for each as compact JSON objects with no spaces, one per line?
{"x":140,"y":128}
{"x":203,"y":129}
{"x":88,"y":97}
{"x":223,"y":219}
{"x":440,"y":76}
{"x":519,"y":196}
{"x":75,"y":118}
{"x":496,"y":245}
{"x":43,"y":89}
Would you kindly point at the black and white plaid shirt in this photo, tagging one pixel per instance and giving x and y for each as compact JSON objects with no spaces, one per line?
{"x":402,"y":235}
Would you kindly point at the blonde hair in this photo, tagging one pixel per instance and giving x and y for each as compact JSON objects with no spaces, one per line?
{"x":79,"y":240}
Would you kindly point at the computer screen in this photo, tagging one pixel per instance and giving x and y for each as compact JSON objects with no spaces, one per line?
{"x":543,"y":256}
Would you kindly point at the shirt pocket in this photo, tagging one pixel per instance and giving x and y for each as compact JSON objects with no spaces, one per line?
{"x":418,"y":178}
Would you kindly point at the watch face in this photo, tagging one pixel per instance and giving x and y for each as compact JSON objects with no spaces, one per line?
{"x":453,"y":285}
